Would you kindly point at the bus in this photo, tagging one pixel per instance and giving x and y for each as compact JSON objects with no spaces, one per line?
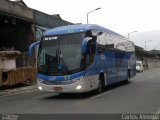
{"x":81,"y":58}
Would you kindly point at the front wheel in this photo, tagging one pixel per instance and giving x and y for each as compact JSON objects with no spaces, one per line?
{"x":128,"y":80}
{"x":100,"y":88}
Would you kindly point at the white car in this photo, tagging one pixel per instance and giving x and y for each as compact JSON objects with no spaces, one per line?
{"x":139,"y":66}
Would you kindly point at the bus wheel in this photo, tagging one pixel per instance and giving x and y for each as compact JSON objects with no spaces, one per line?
{"x":100,"y":86}
{"x":128,"y":77}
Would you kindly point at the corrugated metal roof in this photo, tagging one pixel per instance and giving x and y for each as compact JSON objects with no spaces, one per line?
{"x":19,"y":2}
{"x":50,"y":21}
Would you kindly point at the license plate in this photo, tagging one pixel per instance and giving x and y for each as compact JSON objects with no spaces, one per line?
{"x":57,"y":89}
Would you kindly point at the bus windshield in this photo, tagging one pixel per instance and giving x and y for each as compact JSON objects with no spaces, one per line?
{"x":60,"y":55}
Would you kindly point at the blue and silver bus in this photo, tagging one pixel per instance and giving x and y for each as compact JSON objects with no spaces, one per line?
{"x":82,"y":58}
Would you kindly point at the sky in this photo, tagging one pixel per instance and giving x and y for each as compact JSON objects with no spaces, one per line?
{"x":121,"y":16}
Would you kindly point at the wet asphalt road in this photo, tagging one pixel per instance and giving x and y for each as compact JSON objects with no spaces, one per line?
{"x":142,"y":95}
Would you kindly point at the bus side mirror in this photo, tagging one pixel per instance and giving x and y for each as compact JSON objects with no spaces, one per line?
{"x":96,"y":33}
{"x":31,"y":48}
{"x":84,"y":44}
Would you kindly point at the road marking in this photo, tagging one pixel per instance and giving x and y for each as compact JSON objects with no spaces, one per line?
{"x":100,"y":94}
{"x":158,"y":111}
{"x":46,"y":95}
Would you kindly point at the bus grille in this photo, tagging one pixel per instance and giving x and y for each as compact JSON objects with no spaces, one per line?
{"x":58,"y":82}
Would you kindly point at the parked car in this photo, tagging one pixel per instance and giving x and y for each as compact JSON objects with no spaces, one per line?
{"x":139,"y":66}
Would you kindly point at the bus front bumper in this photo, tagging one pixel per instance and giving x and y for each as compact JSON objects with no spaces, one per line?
{"x":76,"y":87}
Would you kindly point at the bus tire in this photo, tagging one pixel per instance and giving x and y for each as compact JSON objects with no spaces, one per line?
{"x":101,"y":84}
{"x":128,"y":80}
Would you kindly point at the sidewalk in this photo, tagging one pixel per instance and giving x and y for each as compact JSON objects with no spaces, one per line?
{"x":24,"y":88}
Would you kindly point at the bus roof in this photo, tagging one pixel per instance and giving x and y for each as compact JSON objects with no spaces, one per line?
{"x":78,"y":28}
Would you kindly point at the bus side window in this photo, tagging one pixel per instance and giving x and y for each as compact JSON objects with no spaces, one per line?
{"x":101,"y":40}
{"x":91,"y":50}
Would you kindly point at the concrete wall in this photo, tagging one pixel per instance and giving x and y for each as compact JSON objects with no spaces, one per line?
{"x":15,"y":9}
{"x":152,"y":63}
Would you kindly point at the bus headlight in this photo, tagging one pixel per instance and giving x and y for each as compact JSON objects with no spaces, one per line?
{"x":40,"y":88}
{"x":78,"y":87}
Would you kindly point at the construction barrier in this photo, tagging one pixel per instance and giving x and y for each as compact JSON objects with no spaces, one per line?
{"x":19,"y":75}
